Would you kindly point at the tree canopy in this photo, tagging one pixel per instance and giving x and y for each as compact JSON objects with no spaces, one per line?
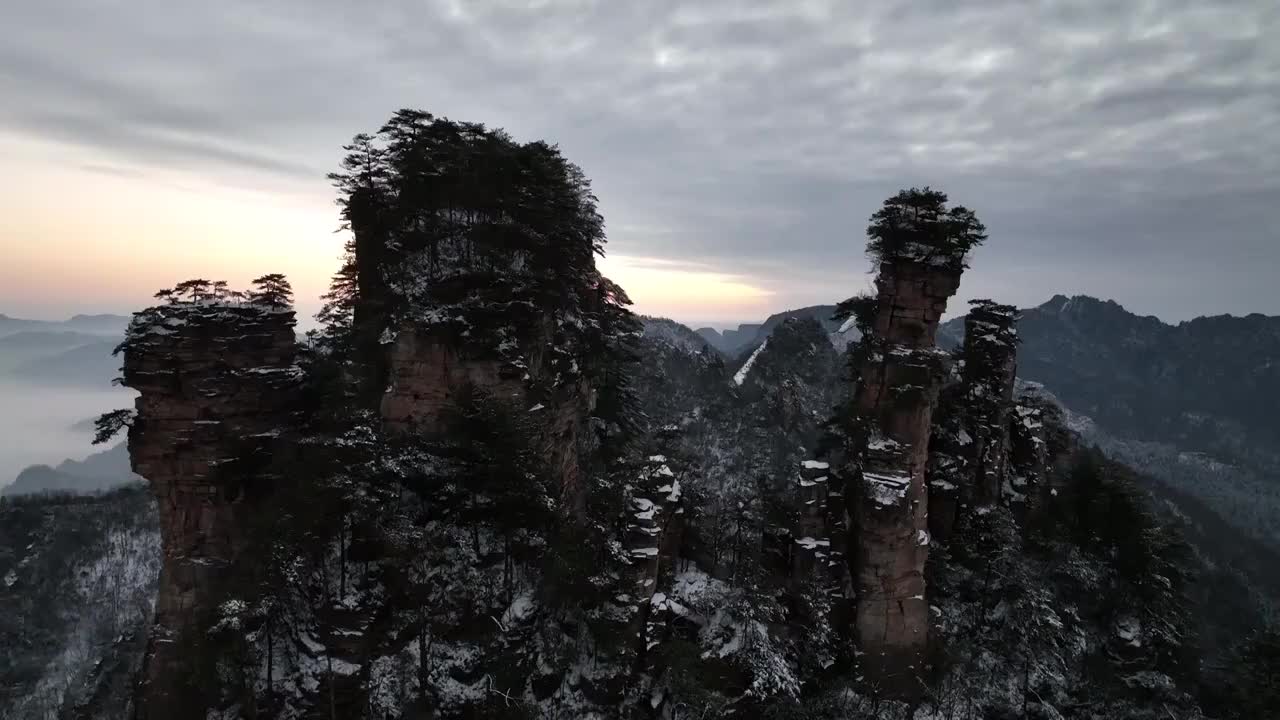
{"x":431,"y":202}
{"x":916,"y":225}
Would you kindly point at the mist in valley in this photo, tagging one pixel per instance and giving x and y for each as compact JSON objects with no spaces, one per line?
{"x":46,"y":423}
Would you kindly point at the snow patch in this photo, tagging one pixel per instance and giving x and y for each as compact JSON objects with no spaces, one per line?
{"x":886,"y":489}
{"x":741,"y":375}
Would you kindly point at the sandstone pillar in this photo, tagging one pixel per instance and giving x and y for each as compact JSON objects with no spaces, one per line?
{"x":215,"y":379}
{"x":990,"y":364}
{"x":900,"y":375}
{"x":1028,"y":454}
{"x":920,"y":247}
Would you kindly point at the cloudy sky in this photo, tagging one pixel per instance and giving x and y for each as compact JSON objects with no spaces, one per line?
{"x":1129,"y":150}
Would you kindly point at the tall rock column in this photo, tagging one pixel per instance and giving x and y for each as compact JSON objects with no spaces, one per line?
{"x":215,"y":379}
{"x":1029,"y":453}
{"x":990,"y":365}
{"x":921,"y":247}
{"x":899,"y":383}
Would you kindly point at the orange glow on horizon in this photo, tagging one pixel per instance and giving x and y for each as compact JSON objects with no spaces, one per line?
{"x":671,"y":289}
{"x":82,"y":234}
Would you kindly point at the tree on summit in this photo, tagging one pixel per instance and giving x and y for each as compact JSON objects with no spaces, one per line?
{"x":273,"y":291}
{"x":917,"y":225}
{"x":194,"y":290}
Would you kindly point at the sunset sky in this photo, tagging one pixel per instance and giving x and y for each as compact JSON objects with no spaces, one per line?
{"x":1125,"y":150}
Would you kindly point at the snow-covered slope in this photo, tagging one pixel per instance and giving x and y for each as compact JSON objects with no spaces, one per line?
{"x":77,"y":583}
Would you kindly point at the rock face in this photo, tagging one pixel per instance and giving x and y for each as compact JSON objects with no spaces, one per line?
{"x":969,"y":446}
{"x":428,"y":367}
{"x":990,"y":365}
{"x":950,"y":459}
{"x":427,"y":371}
{"x":1028,"y":488}
{"x":653,"y":531}
{"x":813,"y":548}
{"x":900,"y":377}
{"x":215,"y":382}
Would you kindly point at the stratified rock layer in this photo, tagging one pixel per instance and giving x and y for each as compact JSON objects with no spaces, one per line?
{"x":898,"y":385}
{"x":215,"y":380}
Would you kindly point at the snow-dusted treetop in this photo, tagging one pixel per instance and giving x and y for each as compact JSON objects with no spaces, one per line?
{"x":916,"y":225}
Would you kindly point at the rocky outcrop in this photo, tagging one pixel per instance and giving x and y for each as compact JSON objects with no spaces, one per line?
{"x":920,"y":246}
{"x":655,"y":522}
{"x":970,"y":441}
{"x":429,"y":367}
{"x":215,"y":381}
{"x":990,"y":365}
{"x":900,"y":376}
{"x":813,"y":551}
{"x":1028,"y":487}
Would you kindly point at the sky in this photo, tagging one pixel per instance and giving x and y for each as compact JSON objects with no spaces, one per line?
{"x":1127,"y":150}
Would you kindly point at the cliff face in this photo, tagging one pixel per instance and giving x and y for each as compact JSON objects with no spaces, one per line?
{"x":215,"y":381}
{"x":428,"y":368}
{"x":900,"y":376}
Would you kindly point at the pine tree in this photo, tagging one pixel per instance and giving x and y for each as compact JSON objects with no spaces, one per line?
{"x":916,"y":225}
{"x":109,"y":424}
{"x":272,"y":291}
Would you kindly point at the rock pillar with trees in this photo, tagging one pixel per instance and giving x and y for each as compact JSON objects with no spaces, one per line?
{"x":990,"y":365}
{"x":472,"y":270}
{"x":1035,"y":435}
{"x":216,"y":374}
{"x":920,"y":246}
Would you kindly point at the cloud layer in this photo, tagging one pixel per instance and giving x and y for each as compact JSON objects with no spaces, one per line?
{"x":1130,"y":150}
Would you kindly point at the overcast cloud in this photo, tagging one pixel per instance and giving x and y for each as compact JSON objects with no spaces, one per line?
{"x":1124,"y":149}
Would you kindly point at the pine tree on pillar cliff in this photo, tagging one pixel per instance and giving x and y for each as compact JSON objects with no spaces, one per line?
{"x":217,"y":378}
{"x":920,"y":246}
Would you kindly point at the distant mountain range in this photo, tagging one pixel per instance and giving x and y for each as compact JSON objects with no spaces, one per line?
{"x":749,"y":335}
{"x":1194,"y":404}
{"x":1211,"y":384}
{"x":75,"y":352}
{"x":104,"y":324}
{"x":99,"y":471}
